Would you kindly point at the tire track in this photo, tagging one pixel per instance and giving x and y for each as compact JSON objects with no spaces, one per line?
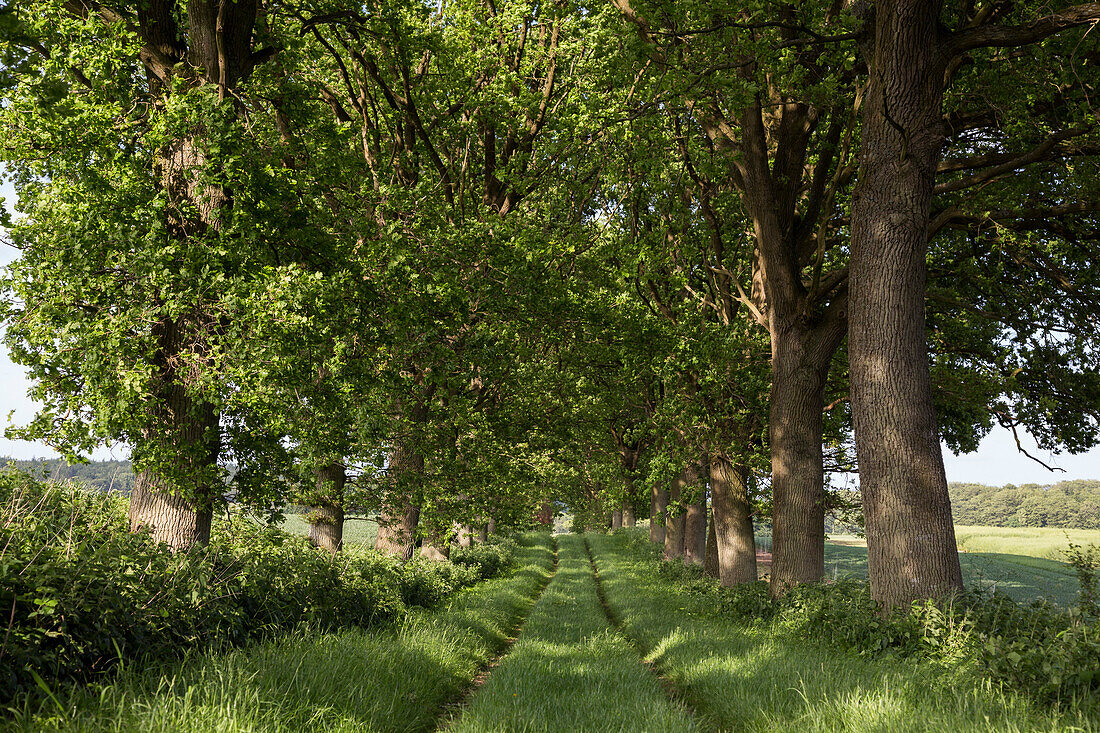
{"x":451,"y":710}
{"x":672,"y":692}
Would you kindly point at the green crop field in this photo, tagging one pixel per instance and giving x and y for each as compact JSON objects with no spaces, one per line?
{"x":1047,"y":542}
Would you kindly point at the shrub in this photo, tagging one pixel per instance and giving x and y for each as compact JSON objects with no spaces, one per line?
{"x":79,"y":592}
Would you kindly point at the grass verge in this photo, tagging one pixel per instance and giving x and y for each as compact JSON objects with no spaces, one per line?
{"x":751,"y":678}
{"x":395,"y":679}
{"x":570,"y":670}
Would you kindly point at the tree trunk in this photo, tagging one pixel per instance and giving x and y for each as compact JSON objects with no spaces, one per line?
{"x":674,"y":524}
{"x":435,"y":549}
{"x":398,"y":520}
{"x":326,"y":520}
{"x":483,"y":534}
{"x":734,"y":543}
{"x":173,"y":498}
{"x":491,"y":527}
{"x":695,"y":531}
{"x":911,"y":551}
{"x":710,"y":562}
{"x":798,"y":482}
{"x":464,"y":537}
{"x":628,"y":514}
{"x":658,"y":510}
{"x":617,"y":519}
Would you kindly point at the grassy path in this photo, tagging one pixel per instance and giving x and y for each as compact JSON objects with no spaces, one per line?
{"x":385,"y":680}
{"x":570,"y":669}
{"x":751,"y":678}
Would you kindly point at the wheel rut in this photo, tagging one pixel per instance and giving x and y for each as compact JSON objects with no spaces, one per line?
{"x":451,"y":710}
{"x":672,"y":692}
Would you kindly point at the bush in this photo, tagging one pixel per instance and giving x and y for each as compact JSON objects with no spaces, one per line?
{"x":79,"y":592}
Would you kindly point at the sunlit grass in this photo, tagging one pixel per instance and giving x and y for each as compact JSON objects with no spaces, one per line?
{"x":357,"y":530}
{"x":739,"y":677}
{"x":570,"y":670}
{"x":1043,"y":542}
{"x":395,"y":679}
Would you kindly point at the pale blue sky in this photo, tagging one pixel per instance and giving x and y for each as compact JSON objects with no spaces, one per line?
{"x":996,"y":461}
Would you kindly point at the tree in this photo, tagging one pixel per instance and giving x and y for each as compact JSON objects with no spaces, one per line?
{"x":911,"y":544}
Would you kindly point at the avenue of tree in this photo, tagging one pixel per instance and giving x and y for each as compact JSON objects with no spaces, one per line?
{"x":460,"y":263}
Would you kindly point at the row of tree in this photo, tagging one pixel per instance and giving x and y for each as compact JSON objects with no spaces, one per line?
{"x":1066,"y":504}
{"x":455,"y":261}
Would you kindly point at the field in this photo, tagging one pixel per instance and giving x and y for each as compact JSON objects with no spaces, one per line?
{"x":1019,"y":562}
{"x":357,"y":530}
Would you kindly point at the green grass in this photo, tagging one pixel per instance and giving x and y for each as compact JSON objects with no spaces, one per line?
{"x":396,"y":679}
{"x":1044,"y":542}
{"x":1020,"y":577}
{"x":750,"y":678}
{"x":570,"y":670}
{"x":357,"y":530}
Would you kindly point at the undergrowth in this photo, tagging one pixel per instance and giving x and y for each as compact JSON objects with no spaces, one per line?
{"x":79,"y":593}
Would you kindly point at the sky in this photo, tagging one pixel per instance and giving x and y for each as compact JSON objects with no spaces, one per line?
{"x":996,"y":462}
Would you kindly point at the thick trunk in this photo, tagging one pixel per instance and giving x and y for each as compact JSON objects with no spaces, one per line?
{"x":674,"y":522}
{"x":734,"y":544}
{"x":617,"y":519}
{"x":397,"y":530}
{"x":464,"y":536}
{"x":658,"y":510}
{"x":695,"y":531}
{"x":435,"y":549}
{"x":911,"y":551}
{"x":326,"y":518}
{"x":628,"y":514}
{"x":483,"y":534}
{"x":174,"y":498}
{"x":491,"y":527}
{"x":798,"y":486}
{"x":710,"y":562}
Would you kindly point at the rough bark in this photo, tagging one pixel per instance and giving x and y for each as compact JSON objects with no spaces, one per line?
{"x":629,"y":520}
{"x":483,"y":534}
{"x":710,"y":562}
{"x":735,"y":545}
{"x":911,"y":550}
{"x":398,"y":520}
{"x":617,"y":519}
{"x":798,"y":483}
{"x":491,"y":527}
{"x":695,"y":531}
{"x":326,"y":519}
{"x":174,"y":498}
{"x":658,"y":510}
{"x":674,"y":523}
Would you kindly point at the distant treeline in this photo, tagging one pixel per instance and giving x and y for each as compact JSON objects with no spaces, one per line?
{"x":1069,"y":504}
{"x":102,"y":475}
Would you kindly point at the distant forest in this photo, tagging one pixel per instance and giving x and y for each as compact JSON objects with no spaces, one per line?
{"x":1069,"y":504}
{"x":102,"y":475}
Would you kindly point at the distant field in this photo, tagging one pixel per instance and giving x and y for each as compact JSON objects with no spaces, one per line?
{"x":1048,"y":542}
{"x":1020,"y":577}
{"x":357,"y":530}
